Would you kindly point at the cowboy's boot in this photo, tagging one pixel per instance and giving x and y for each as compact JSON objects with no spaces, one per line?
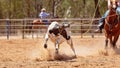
{"x":99,"y":30}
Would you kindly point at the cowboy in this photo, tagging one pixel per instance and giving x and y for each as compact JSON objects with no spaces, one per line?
{"x":101,"y":21}
{"x":43,"y":15}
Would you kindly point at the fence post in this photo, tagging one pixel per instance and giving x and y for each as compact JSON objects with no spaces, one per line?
{"x":32,"y":29}
{"x":23,"y":24}
{"x":81,"y":29}
{"x":8,"y":28}
{"x":92,"y":33}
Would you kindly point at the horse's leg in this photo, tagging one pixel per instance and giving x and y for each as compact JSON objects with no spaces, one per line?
{"x":111,"y":41}
{"x":70,"y":42}
{"x":32,"y":31}
{"x":115,"y":40}
{"x":106,"y":43}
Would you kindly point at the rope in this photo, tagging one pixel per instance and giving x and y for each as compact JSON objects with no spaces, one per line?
{"x":93,"y":17}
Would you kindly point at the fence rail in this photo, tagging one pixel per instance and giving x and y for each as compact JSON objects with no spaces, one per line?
{"x":22,"y":27}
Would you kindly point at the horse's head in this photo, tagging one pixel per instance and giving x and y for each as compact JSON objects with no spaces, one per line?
{"x":113,"y":4}
{"x":111,"y":19}
{"x":112,"y":14}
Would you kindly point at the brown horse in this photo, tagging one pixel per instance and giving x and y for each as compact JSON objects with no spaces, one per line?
{"x":112,"y":25}
{"x":40,"y":24}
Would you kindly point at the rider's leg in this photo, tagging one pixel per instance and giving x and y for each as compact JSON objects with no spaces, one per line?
{"x":118,"y":12}
{"x":46,"y":22}
{"x":101,"y":22}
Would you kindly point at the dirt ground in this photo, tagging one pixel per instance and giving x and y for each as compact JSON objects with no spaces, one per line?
{"x":29,"y":53}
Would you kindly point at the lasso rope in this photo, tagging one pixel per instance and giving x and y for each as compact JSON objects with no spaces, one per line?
{"x":92,"y":18}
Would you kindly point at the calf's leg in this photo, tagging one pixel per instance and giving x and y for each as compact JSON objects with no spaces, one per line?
{"x":46,"y":39}
{"x":70,"y":42}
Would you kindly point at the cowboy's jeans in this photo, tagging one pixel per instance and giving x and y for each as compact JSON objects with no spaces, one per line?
{"x":101,"y":21}
{"x":46,"y":22}
{"x":118,"y":10}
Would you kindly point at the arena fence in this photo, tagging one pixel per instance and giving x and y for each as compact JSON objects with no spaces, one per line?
{"x":23,"y":27}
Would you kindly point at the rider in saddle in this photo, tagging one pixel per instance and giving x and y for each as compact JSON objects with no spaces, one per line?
{"x":43,"y":15}
{"x":101,"y":21}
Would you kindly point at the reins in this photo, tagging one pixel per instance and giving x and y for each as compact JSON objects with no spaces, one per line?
{"x":108,"y":24}
{"x":112,"y":14}
{"x":106,"y":21}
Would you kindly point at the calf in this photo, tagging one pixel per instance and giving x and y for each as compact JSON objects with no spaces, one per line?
{"x":58,"y":34}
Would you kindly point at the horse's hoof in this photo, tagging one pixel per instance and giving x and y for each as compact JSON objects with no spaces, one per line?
{"x":45,"y":45}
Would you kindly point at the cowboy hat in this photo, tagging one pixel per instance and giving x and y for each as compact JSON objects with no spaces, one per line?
{"x":43,"y":9}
